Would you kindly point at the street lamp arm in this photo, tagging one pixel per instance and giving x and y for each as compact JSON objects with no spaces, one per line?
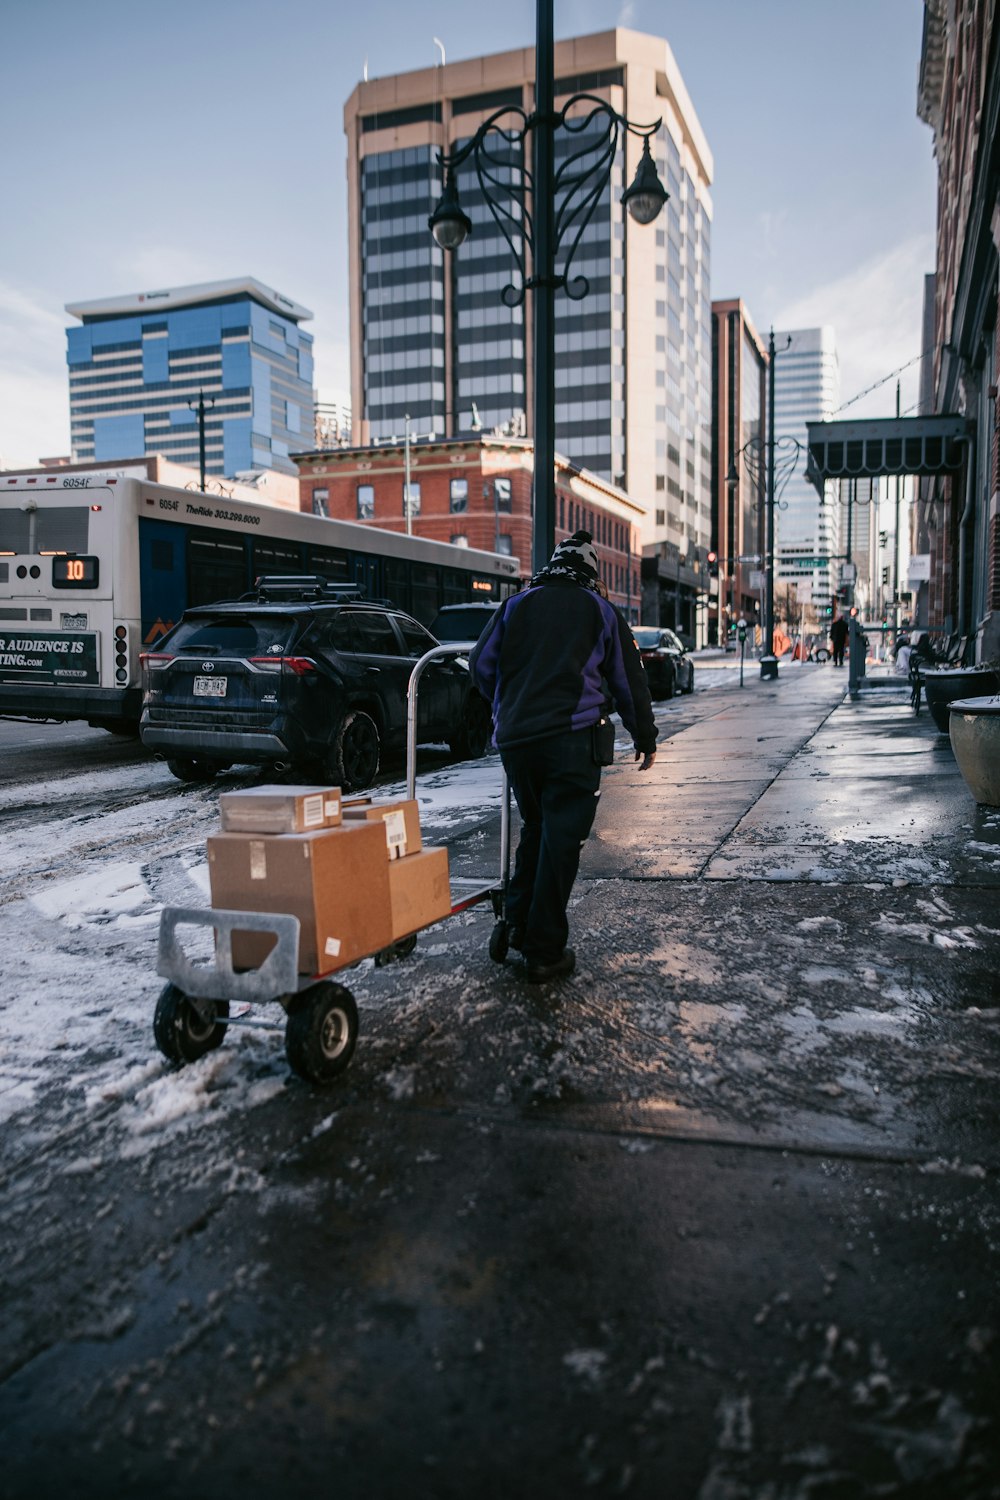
{"x":507,"y":186}
{"x":787,"y":451}
{"x":562,"y":204}
{"x":579,"y":183}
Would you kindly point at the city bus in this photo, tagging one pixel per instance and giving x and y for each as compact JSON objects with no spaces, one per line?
{"x":94,"y":570}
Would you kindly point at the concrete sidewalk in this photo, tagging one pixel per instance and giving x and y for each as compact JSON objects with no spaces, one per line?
{"x":718,"y":1218}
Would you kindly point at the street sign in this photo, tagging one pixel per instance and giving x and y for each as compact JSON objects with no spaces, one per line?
{"x":756,"y":580}
{"x":804,"y":562}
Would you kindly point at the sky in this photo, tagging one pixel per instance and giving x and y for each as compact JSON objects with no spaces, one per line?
{"x":149,"y":147}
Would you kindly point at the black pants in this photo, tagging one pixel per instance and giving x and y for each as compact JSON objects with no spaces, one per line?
{"x":556,"y":785}
{"x":838,"y":655}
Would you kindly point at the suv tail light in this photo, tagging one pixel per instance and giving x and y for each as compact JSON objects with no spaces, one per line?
{"x":154,"y":659}
{"x":300,"y":665}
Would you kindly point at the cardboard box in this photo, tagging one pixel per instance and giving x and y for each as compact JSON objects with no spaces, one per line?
{"x":401,"y":821}
{"x":280,"y":809}
{"x":419,"y":891}
{"x":336,"y":881}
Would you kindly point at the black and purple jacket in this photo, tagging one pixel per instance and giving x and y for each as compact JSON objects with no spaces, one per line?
{"x":550,"y":657}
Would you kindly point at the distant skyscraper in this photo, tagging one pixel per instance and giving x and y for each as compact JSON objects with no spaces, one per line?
{"x":431,"y":338}
{"x":738,"y":536}
{"x":138,"y":362}
{"x":806,"y":389}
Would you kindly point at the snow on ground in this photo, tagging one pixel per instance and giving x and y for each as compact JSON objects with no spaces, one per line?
{"x":78,"y":942}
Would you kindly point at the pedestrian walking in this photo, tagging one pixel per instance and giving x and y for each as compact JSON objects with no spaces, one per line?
{"x":550,"y":661}
{"x":838,"y":639}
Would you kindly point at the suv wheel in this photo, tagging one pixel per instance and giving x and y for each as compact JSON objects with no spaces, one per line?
{"x":353,"y":758}
{"x":470,"y":739}
{"x":185,"y":768}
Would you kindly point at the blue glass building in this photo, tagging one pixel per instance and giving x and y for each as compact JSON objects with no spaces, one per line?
{"x":138,"y":365}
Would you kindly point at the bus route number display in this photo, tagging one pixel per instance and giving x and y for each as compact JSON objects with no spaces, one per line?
{"x":75,"y":572}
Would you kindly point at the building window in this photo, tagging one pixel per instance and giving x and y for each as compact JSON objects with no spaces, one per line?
{"x":562,"y":512}
{"x":505,"y":544}
{"x":501,"y":494}
{"x":459,"y":539}
{"x":661,"y":518}
{"x":459,"y":495}
{"x":414,"y":506}
{"x":321,"y":502}
{"x":366,"y":502}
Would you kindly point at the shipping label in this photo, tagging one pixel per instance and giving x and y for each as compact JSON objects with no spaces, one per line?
{"x":395,"y":833}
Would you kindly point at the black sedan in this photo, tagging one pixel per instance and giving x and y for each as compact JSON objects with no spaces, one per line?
{"x":669,"y":668}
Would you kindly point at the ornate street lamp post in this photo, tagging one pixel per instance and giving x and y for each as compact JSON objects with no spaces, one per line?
{"x":546,"y":212}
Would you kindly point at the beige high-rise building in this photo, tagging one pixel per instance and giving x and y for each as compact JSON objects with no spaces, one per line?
{"x":433,"y":344}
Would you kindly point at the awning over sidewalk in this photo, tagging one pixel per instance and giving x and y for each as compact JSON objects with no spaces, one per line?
{"x":867,"y":449}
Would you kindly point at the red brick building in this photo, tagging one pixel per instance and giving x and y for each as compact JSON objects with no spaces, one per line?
{"x":476,"y":492}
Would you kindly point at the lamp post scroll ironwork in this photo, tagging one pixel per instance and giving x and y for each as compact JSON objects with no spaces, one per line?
{"x":543,"y":212}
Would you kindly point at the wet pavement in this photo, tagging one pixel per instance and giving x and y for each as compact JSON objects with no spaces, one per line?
{"x":718,"y":1218}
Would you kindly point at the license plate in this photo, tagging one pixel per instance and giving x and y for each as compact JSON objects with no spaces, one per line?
{"x":210,"y":687}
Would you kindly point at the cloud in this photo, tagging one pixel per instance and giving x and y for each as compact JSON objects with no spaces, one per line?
{"x":34,"y":390}
{"x":876,"y":311}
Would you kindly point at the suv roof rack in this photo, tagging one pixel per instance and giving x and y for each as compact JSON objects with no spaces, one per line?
{"x":301,"y":586}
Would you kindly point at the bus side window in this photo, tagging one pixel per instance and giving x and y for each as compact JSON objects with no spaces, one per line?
{"x":217,"y":567}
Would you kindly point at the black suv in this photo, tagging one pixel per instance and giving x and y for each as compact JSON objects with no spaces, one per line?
{"x":301,"y":675}
{"x":669,"y":668}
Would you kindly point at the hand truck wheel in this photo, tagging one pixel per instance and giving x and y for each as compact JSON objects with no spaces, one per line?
{"x":499,"y":942}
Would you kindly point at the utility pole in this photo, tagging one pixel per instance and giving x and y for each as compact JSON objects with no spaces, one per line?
{"x":768,"y":642}
{"x":200,"y":409}
{"x":895,"y":548}
{"x":407,"y":507}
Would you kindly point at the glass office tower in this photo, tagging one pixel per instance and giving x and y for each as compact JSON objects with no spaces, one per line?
{"x":402,"y":293}
{"x":138,"y":366}
{"x":806,"y":389}
{"x":632,"y":357}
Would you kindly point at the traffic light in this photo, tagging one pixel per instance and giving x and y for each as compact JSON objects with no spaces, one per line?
{"x":713,"y":565}
{"x":885,"y":577}
{"x":828,"y":608}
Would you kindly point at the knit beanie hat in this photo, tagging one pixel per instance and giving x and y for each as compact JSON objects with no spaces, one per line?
{"x":577,"y":552}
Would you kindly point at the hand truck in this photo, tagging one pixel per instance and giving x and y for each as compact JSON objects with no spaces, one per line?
{"x":196,"y":1008}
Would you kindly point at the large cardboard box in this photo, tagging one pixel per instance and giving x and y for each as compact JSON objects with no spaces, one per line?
{"x":419,"y":891}
{"x":280,"y":809}
{"x":336,"y":881}
{"x":401,"y":821}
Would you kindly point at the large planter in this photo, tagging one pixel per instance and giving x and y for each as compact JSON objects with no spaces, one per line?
{"x":942,"y":685}
{"x":974,"y":729}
